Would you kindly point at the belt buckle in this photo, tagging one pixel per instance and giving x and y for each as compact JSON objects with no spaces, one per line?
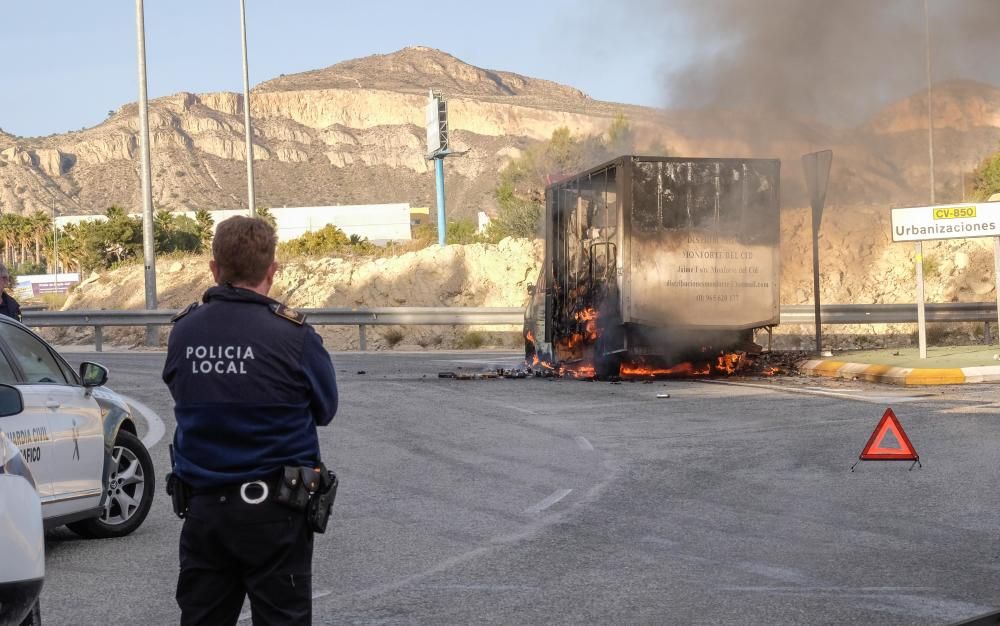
{"x":258,"y":500}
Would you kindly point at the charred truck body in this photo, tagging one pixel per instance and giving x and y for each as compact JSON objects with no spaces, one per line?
{"x":656,"y":260}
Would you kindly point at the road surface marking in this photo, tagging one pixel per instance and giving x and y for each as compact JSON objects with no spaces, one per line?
{"x":583,"y":443}
{"x":245,"y":615}
{"x":156,"y":428}
{"x":547,"y":502}
{"x":519,"y":409}
{"x":818,"y":391}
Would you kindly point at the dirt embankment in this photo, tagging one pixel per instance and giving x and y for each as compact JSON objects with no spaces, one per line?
{"x":477,"y":275}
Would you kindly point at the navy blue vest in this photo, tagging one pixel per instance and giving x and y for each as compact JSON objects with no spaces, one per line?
{"x":250,"y":381}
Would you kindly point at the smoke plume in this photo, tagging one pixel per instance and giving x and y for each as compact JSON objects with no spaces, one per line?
{"x":832,"y":60}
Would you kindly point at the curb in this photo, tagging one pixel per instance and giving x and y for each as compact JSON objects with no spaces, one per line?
{"x":900,"y":375}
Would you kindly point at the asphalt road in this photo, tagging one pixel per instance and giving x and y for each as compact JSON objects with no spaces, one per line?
{"x":565,"y":502}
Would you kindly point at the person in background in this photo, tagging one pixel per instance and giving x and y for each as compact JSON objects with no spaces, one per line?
{"x":8,"y":305}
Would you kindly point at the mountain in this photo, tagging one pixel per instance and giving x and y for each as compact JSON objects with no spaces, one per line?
{"x":354,"y":133}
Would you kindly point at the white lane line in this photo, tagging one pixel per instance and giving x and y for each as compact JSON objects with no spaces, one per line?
{"x":245,"y":615}
{"x":547,"y":502}
{"x":583,"y":443}
{"x":517,"y":408}
{"x":814,"y":391}
{"x":156,"y":428}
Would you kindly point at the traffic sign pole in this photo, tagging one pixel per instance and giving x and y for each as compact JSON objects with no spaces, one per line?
{"x":817,"y":170}
{"x":996,"y":278}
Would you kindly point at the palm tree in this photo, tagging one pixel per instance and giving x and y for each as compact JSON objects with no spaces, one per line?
{"x":8,"y":233}
{"x":25,"y":235}
{"x":41,"y":224}
{"x":205,"y":223}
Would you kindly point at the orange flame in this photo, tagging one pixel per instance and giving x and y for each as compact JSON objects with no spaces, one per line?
{"x":727,"y":363}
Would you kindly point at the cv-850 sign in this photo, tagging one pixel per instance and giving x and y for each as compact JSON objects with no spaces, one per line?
{"x":947,"y":221}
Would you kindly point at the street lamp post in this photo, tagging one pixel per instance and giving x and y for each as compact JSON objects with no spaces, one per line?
{"x":251,"y":199}
{"x":149,"y":253}
{"x":921,"y":318}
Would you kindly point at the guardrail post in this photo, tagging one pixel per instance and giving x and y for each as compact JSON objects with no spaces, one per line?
{"x":987,"y":335}
{"x":98,"y":338}
{"x":362,"y":338}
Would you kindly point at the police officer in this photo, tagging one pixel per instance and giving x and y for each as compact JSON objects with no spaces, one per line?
{"x":250,"y":381}
{"x":8,"y":305}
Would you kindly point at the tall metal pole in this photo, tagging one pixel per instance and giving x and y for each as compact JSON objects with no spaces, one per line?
{"x":921,"y":318}
{"x":55,"y":246}
{"x":251,"y":198}
{"x":149,"y":254}
{"x":439,"y":180}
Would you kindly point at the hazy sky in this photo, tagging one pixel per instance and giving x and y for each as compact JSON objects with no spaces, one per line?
{"x":64,"y":64}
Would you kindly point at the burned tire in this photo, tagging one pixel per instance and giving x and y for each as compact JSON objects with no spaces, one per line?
{"x":129,"y":491}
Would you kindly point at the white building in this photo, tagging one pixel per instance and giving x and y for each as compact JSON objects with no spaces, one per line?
{"x":379,"y":223}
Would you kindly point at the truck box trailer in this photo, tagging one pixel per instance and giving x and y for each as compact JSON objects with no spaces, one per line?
{"x":656,"y":259}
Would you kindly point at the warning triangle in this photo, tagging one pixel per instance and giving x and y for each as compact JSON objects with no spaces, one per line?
{"x":889,"y":442}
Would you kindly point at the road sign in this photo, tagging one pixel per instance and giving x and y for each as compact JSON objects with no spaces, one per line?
{"x":880,"y":446}
{"x":946,"y":221}
{"x":436,"y":116}
{"x":817,"y":169}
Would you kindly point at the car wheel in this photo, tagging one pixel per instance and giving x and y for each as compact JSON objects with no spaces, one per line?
{"x":129,"y":491}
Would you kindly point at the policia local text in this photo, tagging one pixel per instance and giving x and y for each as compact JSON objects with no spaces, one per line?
{"x":218,"y":359}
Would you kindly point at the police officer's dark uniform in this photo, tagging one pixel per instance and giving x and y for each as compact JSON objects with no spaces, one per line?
{"x":251,"y":381}
{"x":9,"y":306}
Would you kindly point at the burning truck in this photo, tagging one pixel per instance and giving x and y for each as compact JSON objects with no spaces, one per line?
{"x":656,"y":264}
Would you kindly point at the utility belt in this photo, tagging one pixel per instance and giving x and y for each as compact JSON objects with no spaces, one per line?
{"x":311,"y":490}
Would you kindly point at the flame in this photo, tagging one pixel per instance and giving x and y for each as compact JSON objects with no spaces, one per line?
{"x":578,"y":370}
{"x":529,"y":336}
{"x":589,"y":317}
{"x":726,"y":363}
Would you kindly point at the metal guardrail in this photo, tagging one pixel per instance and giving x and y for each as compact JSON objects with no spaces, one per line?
{"x":890,"y":313}
{"x":497,"y":316}
{"x":415,"y":316}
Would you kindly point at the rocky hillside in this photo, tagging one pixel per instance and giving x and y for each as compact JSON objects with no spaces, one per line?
{"x":353,"y":133}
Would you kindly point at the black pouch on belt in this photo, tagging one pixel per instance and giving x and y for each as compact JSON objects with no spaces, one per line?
{"x":321,"y":503}
{"x":293,"y":487}
{"x":179,"y":493}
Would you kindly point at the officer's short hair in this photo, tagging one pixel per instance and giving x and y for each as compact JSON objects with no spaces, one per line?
{"x":243,"y":249}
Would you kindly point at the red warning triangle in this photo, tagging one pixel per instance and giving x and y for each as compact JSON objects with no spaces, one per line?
{"x":879,"y":449}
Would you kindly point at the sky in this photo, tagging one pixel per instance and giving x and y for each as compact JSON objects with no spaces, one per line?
{"x":64,"y":65}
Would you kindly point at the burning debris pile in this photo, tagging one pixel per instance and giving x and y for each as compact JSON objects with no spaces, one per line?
{"x":720,"y":365}
{"x":743,"y":364}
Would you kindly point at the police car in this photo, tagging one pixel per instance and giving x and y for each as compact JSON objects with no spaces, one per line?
{"x":22,"y":567}
{"x":92,"y":472}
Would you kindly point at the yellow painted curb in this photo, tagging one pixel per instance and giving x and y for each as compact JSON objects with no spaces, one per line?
{"x":892,"y":374}
{"x":951,"y":376}
{"x":827,"y":368}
